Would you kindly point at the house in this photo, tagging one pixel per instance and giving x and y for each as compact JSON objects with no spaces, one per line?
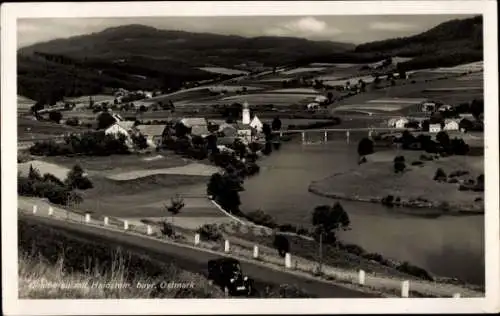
{"x":451,"y":125}
{"x":398,"y":122}
{"x":256,"y":124}
{"x":321,"y":99}
{"x":313,"y":106}
{"x":434,"y":128}
{"x":445,"y":107}
{"x":428,"y":107}
{"x":153,"y":133}
{"x":126,"y":128}
{"x":198,"y":126}
{"x":228,"y":130}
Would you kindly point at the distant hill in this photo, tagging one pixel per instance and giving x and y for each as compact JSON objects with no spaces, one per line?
{"x":121,"y":56}
{"x":448,"y":44}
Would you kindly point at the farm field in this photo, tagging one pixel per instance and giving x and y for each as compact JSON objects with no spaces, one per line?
{"x":302,"y":70}
{"x":95,"y":98}
{"x":224,"y":71}
{"x":29,"y":128}
{"x":270,"y":98}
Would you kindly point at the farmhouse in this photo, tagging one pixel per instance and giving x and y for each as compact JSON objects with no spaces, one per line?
{"x":256,"y":124}
{"x":153,"y":134}
{"x":198,"y":126}
{"x":126,"y":128}
{"x":451,"y":125}
{"x":434,"y":128}
{"x":398,"y":122}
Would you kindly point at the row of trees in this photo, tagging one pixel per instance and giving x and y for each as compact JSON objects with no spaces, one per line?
{"x":50,"y":187}
{"x":88,"y":143}
{"x":443,"y":144}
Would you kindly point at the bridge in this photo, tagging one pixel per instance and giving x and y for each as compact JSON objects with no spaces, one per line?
{"x":347,"y":132}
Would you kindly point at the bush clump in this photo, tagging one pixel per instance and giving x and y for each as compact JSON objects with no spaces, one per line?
{"x":210,"y":232}
{"x":259,"y":217}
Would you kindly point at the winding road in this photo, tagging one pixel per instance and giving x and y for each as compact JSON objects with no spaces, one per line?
{"x":195,"y":260}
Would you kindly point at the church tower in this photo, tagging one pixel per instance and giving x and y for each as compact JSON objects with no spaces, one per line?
{"x":246,"y":114}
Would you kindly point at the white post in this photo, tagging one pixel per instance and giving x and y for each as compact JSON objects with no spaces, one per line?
{"x":196,"y":239}
{"x":106,"y":221}
{"x":255,"y":252}
{"x":326,"y":137}
{"x":51,"y":211}
{"x":405,"y":288}
{"x":87,"y":218}
{"x":361,"y":277}
{"x":125,"y":225}
{"x":281,"y":134}
{"x":35,"y":208}
{"x":456,"y":295}
{"x":288,"y":261}
{"x":149,"y":230}
{"x":370,"y":134}
{"x":226,"y":246}
{"x":303,"y":137}
{"x":226,"y":292}
{"x":347,"y":136}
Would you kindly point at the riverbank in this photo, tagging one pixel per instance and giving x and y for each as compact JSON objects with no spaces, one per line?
{"x":375,"y":181}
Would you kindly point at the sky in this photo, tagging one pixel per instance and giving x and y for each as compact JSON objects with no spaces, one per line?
{"x":350,"y":29}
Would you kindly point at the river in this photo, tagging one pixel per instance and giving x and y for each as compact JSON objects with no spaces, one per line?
{"x":450,"y":246}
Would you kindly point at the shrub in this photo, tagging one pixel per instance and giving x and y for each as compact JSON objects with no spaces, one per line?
{"x":72,"y":121}
{"x":417,"y":163}
{"x":440,"y":175}
{"x":388,"y":200}
{"x":210,"y":232}
{"x":373,"y":256}
{"x":405,"y":267}
{"x":259,"y":217}
{"x":354,"y":249}
{"x":75,"y":179}
{"x":55,"y":116}
{"x":287,"y":228}
{"x":281,"y":244}
{"x":167,"y":229}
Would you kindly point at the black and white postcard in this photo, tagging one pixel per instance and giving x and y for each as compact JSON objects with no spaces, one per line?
{"x":250,"y":157}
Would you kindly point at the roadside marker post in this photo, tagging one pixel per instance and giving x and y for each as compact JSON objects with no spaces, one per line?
{"x":87,"y":218}
{"x":125,"y":225}
{"x":361,"y":277}
{"x":149,"y":230}
{"x":196,"y":239}
{"x":405,"y":288}
{"x":326,"y":137}
{"x":288,"y":261}
{"x":255,"y":252}
{"x":106,"y":221}
{"x":226,"y":246}
{"x":303,"y":137}
{"x":51,"y":211}
{"x":347,"y":136}
{"x":35,"y":208}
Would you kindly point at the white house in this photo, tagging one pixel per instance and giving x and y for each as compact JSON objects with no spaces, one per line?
{"x":321,"y":99}
{"x":125,"y":128}
{"x":434,"y":128}
{"x":445,"y":107}
{"x":256,"y":124}
{"x":313,"y":106}
{"x":397,"y":122}
{"x":451,"y":125}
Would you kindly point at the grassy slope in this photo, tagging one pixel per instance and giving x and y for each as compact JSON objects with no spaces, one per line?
{"x":379,"y":180}
{"x":48,"y":255}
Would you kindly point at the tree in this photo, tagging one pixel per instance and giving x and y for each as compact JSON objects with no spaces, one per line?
{"x":34,"y":174}
{"x":327,"y":220}
{"x":105,"y":120}
{"x":465,"y":124}
{"x":224,"y":189}
{"x":399,"y":164}
{"x":276,"y":124}
{"x":281,"y":244}
{"x":240,"y":148}
{"x":425,"y":125}
{"x":365,"y":147}
{"x":76,"y":179}
{"x":330,"y":97}
{"x":477,"y":108}
{"x":55,"y":116}
{"x":176,"y":205}
{"x":440,"y":175}
{"x":143,"y":109}
{"x":443,"y":139}
{"x":140,"y":141}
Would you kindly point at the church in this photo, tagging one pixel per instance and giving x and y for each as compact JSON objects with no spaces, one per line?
{"x":249,"y":128}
